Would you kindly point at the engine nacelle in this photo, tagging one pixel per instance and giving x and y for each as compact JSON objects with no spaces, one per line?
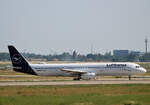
{"x":88,"y":76}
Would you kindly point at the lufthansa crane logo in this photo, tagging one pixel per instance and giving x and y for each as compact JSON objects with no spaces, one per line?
{"x":16,"y":58}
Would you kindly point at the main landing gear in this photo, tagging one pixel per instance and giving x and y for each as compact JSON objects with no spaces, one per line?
{"x":78,"y":77}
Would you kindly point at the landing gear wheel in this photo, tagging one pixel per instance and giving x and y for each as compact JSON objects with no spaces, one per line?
{"x":76,"y":79}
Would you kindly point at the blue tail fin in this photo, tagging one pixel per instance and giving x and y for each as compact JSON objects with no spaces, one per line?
{"x":19,"y":62}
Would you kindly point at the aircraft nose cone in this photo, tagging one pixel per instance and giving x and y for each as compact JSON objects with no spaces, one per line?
{"x":143,"y":70}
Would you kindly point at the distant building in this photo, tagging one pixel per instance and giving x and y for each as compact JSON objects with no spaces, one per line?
{"x":37,"y":59}
{"x":123,"y":53}
{"x":120,"y":53}
{"x":135,"y":52}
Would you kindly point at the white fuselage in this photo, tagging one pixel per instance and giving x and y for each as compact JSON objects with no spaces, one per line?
{"x":96,"y":68}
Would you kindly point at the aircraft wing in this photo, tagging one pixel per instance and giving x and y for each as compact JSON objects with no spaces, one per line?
{"x":74,"y":71}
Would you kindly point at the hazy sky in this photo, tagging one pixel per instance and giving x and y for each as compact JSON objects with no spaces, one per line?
{"x":48,"y":26}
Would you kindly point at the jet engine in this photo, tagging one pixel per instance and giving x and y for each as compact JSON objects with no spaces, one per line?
{"x":88,"y":76}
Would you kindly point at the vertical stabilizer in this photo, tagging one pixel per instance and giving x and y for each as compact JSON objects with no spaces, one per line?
{"x":19,"y":63}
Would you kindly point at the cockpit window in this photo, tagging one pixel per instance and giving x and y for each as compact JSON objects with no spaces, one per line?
{"x":137,"y":66}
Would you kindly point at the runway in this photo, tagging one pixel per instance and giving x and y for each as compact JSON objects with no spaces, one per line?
{"x":75,"y":82}
{"x":28,"y":80}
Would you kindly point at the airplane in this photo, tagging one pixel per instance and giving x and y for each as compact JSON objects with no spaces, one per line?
{"x":85,"y":71}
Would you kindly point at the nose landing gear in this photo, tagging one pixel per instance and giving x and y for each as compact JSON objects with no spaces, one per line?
{"x":129,"y":77}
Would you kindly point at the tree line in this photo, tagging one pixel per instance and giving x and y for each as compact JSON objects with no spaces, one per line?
{"x":65,"y":56}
